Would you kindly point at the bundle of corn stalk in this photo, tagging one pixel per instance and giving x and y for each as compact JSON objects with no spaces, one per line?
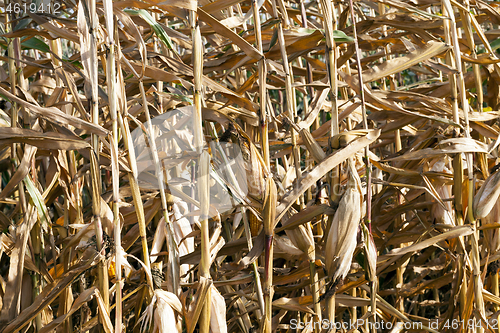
{"x":249,"y":166}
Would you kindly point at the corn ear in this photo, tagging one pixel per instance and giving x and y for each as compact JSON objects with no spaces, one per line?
{"x":341,"y":241}
{"x":487,"y":196}
{"x":254,"y":172}
{"x":302,"y":237}
{"x":440,"y":214}
{"x":165,"y":317}
{"x":492,"y":236}
{"x":313,"y":147}
{"x":270,"y":203}
{"x":218,"y":316}
{"x":370,"y":250}
{"x":163,"y":307}
{"x":255,"y":224}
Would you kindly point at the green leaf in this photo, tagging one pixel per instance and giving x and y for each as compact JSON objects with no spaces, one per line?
{"x":178,"y":97}
{"x":35,"y":43}
{"x":495,"y":44}
{"x":274,"y":39}
{"x":340,"y":36}
{"x":22,"y":24}
{"x":38,"y":200}
{"x":157,"y":28}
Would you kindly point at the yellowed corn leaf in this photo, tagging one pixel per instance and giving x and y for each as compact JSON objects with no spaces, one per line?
{"x":231,"y":35}
{"x":321,"y":169}
{"x":399,"y":64}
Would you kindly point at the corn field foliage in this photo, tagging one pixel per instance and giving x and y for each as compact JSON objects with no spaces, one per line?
{"x":249,"y":166}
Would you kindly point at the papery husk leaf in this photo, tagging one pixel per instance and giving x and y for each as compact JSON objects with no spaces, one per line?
{"x":487,"y":196}
{"x":341,"y":241}
{"x":218,"y":321}
{"x":269,"y":207}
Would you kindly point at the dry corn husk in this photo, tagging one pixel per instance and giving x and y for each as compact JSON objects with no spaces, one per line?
{"x":284,"y":248}
{"x":181,"y":227}
{"x":270,"y":204}
{"x":126,"y":266}
{"x":163,"y":306}
{"x":370,"y":250}
{"x":492,"y":236}
{"x":341,"y":241}
{"x":313,"y":147}
{"x":302,"y":237}
{"x":253,"y":169}
{"x":487,"y":196}
{"x":438,"y":212}
{"x":218,"y":322}
{"x":106,"y":218}
{"x":158,"y":240}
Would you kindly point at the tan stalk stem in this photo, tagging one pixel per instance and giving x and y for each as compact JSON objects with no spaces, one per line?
{"x":373,"y":289}
{"x":255,"y":268}
{"x":476,"y":269}
{"x":36,"y":243}
{"x":269,"y":215}
{"x":102,"y":272}
{"x":248,"y":233}
{"x":468,"y":30}
{"x":159,"y":83}
{"x":64,"y":300}
{"x":450,"y":61}
{"x":264,"y":139}
{"x":312,"y":265}
{"x":290,"y":101}
{"x":115,"y":173}
{"x":397,"y":147}
{"x":132,"y":176}
{"x":75,"y":188}
{"x":204,"y":171}
{"x":264,"y":136}
{"x":173,"y":252}
{"x":457,"y":161}
{"x":329,"y":24}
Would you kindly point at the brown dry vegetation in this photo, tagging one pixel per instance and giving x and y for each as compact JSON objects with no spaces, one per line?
{"x":391,"y":104}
